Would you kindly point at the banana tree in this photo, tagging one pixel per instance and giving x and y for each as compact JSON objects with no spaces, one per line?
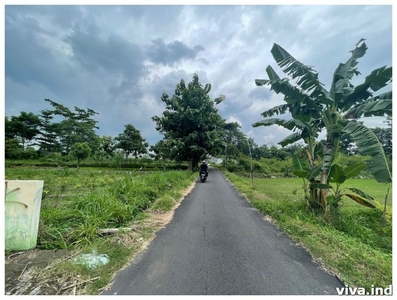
{"x":304,"y":128}
{"x":336,"y":110}
{"x":338,"y":176}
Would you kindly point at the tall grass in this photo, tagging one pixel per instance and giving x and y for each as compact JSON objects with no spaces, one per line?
{"x":354,"y":243}
{"x":76,"y":204}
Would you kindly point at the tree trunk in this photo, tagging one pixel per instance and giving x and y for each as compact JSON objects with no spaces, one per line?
{"x":322,"y":196}
{"x":332,"y":143}
{"x":312,"y":202}
{"x":193,"y":164}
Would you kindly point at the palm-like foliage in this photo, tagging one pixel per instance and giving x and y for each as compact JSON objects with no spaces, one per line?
{"x":313,"y":109}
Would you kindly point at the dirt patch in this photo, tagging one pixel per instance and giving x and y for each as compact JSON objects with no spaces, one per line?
{"x":32,"y":272}
{"x":25,"y":271}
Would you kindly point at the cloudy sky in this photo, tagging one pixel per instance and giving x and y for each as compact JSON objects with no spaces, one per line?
{"x":118,"y":60}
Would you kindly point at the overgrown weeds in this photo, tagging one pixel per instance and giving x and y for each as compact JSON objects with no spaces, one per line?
{"x":77,"y":204}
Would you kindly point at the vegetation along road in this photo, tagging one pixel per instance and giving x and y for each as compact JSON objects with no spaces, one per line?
{"x":217,"y":244}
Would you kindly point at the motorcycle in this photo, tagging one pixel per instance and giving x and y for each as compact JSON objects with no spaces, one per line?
{"x":203,"y":176}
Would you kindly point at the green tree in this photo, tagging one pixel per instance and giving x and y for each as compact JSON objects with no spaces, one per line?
{"x":12,"y":148}
{"x":294,"y":149}
{"x":9,"y":129}
{"x":131,"y":142}
{"x":235,"y":141}
{"x":107,"y":146}
{"x":80,"y":151}
{"x":48,"y":139}
{"x":161,"y":150}
{"x":190,"y":123}
{"x":75,"y":127}
{"x":24,"y":127}
{"x":262,"y":152}
{"x":336,"y":111}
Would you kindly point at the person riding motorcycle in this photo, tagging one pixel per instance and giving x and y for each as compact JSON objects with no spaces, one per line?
{"x":204,"y":167}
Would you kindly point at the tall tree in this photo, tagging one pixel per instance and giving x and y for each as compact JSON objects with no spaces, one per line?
{"x":48,"y":139}
{"x":234,"y":140}
{"x":191,"y":123}
{"x":75,"y":127}
{"x":336,"y":111}
{"x":131,"y":142}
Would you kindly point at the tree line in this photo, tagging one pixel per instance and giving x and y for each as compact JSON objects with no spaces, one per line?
{"x":66,"y":132}
{"x":191,"y":126}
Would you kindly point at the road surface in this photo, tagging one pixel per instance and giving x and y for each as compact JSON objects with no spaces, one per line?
{"x":218,"y":244}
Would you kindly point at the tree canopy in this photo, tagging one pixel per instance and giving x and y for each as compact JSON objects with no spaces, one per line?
{"x":131,"y":142}
{"x":190,"y":123}
{"x":74,"y":127}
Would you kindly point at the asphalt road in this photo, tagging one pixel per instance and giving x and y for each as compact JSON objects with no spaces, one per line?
{"x":218,"y":244}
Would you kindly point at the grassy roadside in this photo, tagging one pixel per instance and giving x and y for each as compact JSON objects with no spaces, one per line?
{"x":76,"y":204}
{"x":354,"y":245}
{"x":350,"y":246}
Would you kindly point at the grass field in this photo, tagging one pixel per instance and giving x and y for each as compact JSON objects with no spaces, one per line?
{"x":77,"y":203}
{"x":354,"y":244}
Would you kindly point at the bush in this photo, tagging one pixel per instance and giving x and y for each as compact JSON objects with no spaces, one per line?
{"x":29,"y":153}
{"x":13,"y":149}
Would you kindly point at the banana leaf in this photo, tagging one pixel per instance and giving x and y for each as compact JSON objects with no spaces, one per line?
{"x":368,"y":144}
{"x":337,"y":174}
{"x":354,"y":170}
{"x":377,"y":106}
{"x":360,"y":200}
{"x":361,"y":193}
{"x":300,"y":167}
{"x":307,"y":78}
{"x":378,"y":79}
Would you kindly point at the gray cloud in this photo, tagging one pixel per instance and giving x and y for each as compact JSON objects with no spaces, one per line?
{"x":118,"y":60}
{"x":111,"y":54}
{"x":261,"y":93}
{"x":28,"y":60}
{"x":172,"y":53}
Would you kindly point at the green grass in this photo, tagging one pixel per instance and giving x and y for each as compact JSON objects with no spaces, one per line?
{"x":77,"y":203}
{"x":353,"y":243}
